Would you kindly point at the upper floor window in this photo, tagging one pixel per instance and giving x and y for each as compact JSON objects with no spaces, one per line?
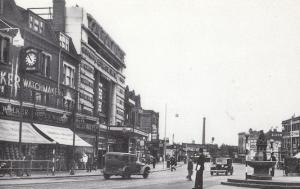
{"x":4,"y":49}
{"x":36,"y":24}
{"x":45,"y":64}
{"x":64,"y":41}
{"x":69,"y":75}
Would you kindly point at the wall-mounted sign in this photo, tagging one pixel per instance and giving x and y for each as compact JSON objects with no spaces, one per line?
{"x":30,"y":60}
{"x":7,"y":79}
{"x":99,"y":63}
{"x":295,"y":133}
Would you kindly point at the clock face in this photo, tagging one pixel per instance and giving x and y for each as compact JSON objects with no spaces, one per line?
{"x":30,"y":59}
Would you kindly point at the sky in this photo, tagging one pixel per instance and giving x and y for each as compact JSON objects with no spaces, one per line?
{"x":234,"y":62}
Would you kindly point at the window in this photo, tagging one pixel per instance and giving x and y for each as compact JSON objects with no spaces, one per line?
{"x":45,"y":64}
{"x":36,"y":24}
{"x":69,"y":74}
{"x":4,"y":50}
{"x":64,"y":41}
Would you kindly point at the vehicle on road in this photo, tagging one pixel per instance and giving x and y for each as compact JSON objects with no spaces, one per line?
{"x":221,"y":165}
{"x":124,"y":164}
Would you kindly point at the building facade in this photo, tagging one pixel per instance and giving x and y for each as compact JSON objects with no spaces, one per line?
{"x":101,"y":81}
{"x":38,"y":92}
{"x":290,"y":136}
{"x":247,"y":144}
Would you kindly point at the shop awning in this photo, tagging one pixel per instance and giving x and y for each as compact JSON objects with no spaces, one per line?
{"x":61,"y":135}
{"x":9,"y":131}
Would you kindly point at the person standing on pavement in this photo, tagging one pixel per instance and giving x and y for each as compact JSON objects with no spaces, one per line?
{"x":89,"y":163}
{"x":84,"y":160}
{"x":273,"y":158}
{"x":199,"y":172}
{"x":27,"y":161}
{"x":153,"y":162}
{"x":190,"y":169}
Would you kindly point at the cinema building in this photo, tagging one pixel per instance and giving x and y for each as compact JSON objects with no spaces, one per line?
{"x":38,"y":88}
{"x":101,"y":80}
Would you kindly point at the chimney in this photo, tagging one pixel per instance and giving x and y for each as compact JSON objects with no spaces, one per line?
{"x":59,"y":14}
{"x":203,"y":132}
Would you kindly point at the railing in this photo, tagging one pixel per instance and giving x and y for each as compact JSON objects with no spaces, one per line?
{"x":18,"y":167}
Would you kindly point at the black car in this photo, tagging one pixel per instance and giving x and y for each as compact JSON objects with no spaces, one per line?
{"x":221,"y":165}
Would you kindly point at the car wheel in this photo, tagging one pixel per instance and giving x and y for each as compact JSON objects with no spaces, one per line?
{"x":217,"y":173}
{"x":126,"y":174}
{"x":211,"y":173}
{"x":146,"y":173}
{"x":106,"y":176}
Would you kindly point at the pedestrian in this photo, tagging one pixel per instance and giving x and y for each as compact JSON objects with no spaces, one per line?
{"x":27,"y":163}
{"x":273,"y":158}
{"x":89,"y":163}
{"x":190,"y":169}
{"x":84,"y":160}
{"x":199,"y":172}
{"x":173,"y":163}
{"x":153,"y":162}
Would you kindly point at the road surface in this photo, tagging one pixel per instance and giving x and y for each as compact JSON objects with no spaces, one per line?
{"x":157,"y":180}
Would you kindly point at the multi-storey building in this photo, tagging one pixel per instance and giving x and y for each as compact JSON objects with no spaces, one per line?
{"x":290,"y":136}
{"x":101,"y":80}
{"x":38,"y":92}
{"x":150,"y":123}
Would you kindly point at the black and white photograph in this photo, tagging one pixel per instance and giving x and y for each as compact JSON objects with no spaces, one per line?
{"x":149,"y":94}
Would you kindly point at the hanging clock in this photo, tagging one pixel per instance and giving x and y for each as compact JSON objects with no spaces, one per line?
{"x":30,"y":60}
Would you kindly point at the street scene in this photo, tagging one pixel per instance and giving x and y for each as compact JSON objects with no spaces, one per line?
{"x":160,"y":180}
{"x":149,"y":94}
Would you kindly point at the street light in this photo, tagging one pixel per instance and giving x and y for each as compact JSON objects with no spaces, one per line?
{"x":246,"y":152}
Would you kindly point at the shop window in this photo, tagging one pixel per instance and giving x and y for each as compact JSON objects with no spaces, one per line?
{"x":69,"y":75}
{"x":45,"y":64}
{"x":4,"y":48}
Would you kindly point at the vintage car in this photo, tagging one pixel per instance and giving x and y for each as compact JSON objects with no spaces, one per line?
{"x":221,"y":165}
{"x":124,"y":164}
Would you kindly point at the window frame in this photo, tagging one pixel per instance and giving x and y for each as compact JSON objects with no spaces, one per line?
{"x":73,"y":68}
{"x":8,"y":40}
{"x":45,"y":71}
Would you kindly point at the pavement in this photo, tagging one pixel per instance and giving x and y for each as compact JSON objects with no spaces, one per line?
{"x":78,"y":173}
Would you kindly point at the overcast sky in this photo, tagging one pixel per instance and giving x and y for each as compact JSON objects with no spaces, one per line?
{"x":234,"y":62}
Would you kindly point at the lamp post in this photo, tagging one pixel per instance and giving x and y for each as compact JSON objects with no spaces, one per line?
{"x":246,"y":152}
{"x":165,"y":136}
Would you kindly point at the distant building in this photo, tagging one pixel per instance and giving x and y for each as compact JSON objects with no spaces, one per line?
{"x":150,"y":123}
{"x":247,"y":144}
{"x":192,"y":149}
{"x":290,"y":132}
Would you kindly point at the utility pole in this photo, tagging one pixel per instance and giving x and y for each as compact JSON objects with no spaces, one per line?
{"x":203,"y":131}
{"x":165,"y":136}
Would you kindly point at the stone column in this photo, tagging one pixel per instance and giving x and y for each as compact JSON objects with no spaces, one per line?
{"x":112,"y":103}
{"x":96,"y":93}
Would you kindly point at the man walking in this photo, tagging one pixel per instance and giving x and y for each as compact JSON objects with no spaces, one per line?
{"x":199,"y":172}
{"x":153,"y":162}
{"x":190,"y":169}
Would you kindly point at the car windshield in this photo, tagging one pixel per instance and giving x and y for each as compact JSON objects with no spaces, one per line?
{"x":221,"y":161}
